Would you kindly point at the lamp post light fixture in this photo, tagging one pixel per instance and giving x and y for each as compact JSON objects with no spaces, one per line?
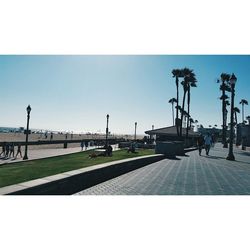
{"x":135,"y":130}
{"x":27,"y":132}
{"x":107,"y":131}
{"x":230,"y":156}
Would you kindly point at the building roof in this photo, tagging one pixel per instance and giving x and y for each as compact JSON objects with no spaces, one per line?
{"x":171,"y":131}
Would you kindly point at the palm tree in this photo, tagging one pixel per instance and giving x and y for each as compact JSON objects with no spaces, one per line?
{"x":186,"y":72}
{"x":236,"y":110}
{"x":172,"y":101}
{"x":227,"y":103}
{"x":177,"y":73}
{"x":186,"y":118}
{"x":224,"y":87}
{"x":189,"y":77}
{"x":192,"y":84}
{"x":243,"y":102}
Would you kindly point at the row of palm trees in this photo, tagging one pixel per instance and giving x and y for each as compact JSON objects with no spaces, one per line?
{"x":243,"y":102}
{"x":225,"y":87}
{"x":237,"y":110}
{"x":188,"y":81}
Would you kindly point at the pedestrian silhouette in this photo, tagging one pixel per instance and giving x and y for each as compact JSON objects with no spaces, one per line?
{"x":86,"y":145}
{"x":12,"y":149}
{"x":3,"y":149}
{"x":208,"y":143}
{"x":82,"y":145}
{"x":7,"y":150}
{"x":200,"y":143}
{"x":19,"y":150}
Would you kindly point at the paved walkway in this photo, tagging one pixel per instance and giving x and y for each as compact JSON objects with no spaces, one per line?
{"x":191,"y":175}
{"x":45,"y":153}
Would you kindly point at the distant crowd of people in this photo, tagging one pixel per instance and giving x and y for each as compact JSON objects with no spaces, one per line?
{"x":8,"y":150}
{"x":205,"y":142}
{"x":86,"y":144}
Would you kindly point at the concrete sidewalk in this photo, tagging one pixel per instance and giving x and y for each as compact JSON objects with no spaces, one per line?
{"x":45,"y":153}
{"x":190,"y":175}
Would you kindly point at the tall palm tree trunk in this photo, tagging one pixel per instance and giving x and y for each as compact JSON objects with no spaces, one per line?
{"x":182,"y":113}
{"x":223,"y":118}
{"x":242,"y":113}
{"x":188,"y":101}
{"x":173,"y":112}
{"x":177,"y":110}
{"x":236,"y":137}
{"x":235,"y":117}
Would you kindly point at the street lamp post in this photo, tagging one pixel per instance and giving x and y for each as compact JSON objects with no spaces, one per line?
{"x":27,"y":133}
{"x":151,"y":136}
{"x":230,"y":156}
{"x":107,"y":131}
{"x":135,"y":130}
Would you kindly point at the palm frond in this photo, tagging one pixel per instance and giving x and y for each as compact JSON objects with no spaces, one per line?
{"x":172,"y":100}
{"x":244,"y":102}
{"x":237,"y":110}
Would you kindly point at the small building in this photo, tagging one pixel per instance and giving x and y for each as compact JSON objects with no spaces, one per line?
{"x":243,"y":134}
{"x":170,"y":134}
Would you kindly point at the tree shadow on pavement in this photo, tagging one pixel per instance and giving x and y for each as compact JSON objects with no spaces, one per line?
{"x":243,"y":162}
{"x":218,"y":158}
{"x":244,"y":153}
{"x":185,"y":155}
{"x":213,"y":157}
{"x":172,"y":158}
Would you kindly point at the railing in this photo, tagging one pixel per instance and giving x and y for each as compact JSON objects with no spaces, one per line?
{"x":64,"y":142}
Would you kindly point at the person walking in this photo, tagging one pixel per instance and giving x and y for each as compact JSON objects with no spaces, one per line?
{"x":208,"y":143}
{"x":19,"y":150}
{"x":200,"y":143}
{"x":3,"y":149}
{"x":213,"y":140}
{"x":86,"y":145}
{"x":82,"y":144}
{"x":7,"y":150}
{"x":109,"y":150}
{"x":12,"y":149}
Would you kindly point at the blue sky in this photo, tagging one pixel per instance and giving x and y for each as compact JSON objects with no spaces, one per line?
{"x":76,"y":92}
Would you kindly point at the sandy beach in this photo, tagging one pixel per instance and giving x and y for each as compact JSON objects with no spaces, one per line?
{"x":9,"y":137}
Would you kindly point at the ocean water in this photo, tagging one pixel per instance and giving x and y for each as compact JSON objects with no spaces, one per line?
{"x":9,"y":129}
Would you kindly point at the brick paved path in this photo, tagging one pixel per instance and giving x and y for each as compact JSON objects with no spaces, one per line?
{"x":192,"y":175}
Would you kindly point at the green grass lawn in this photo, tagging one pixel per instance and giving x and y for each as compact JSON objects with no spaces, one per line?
{"x":24,"y":171}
